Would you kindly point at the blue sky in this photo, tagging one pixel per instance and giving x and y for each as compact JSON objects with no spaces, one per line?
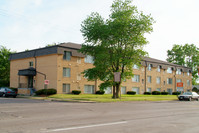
{"x":30,"y":24}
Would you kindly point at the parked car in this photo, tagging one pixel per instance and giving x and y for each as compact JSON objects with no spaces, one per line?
{"x":189,"y":96}
{"x":7,"y":92}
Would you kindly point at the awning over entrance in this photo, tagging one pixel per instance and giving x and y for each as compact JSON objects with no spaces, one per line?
{"x":27,"y":72}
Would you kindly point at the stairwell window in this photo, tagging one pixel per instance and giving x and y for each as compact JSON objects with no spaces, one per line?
{"x":67,"y":55}
{"x":178,"y":71}
{"x":31,"y":64}
{"x":169,"y":70}
{"x":149,"y":67}
{"x":66,"y":72}
{"x":136,"y":78}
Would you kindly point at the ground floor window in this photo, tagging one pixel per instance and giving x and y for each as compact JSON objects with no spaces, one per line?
{"x":148,"y":90}
{"x":158,"y":89}
{"x":123,"y":90}
{"x":108,"y":90}
{"x":89,"y":89}
{"x":66,"y":88}
{"x":136,"y":89}
{"x":170,"y":91}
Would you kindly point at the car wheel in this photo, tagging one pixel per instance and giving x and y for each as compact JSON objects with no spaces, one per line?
{"x":190,"y":99}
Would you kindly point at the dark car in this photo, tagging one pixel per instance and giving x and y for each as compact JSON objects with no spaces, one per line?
{"x":7,"y":92}
{"x":189,"y":96}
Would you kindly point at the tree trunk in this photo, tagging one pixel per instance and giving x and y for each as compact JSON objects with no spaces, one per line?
{"x":114,"y":93}
{"x":117,"y":90}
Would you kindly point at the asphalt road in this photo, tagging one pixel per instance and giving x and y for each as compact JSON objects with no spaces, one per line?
{"x":31,"y":116}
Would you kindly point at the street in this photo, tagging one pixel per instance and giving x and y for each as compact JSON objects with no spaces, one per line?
{"x":36,"y":116}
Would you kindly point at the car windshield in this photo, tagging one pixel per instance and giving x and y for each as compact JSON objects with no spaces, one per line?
{"x":187,"y":93}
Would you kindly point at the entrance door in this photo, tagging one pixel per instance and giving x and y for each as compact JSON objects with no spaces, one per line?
{"x":30,"y":81}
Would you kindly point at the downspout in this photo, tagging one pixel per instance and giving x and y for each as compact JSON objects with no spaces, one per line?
{"x":145,"y":77}
{"x":175,"y":80}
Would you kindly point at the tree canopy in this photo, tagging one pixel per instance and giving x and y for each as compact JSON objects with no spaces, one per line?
{"x":185,"y":55}
{"x":4,"y":66}
{"x":115,"y":43}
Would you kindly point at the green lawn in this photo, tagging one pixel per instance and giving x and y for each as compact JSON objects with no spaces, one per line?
{"x":108,"y":97}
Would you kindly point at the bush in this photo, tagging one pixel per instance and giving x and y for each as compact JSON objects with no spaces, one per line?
{"x":156,"y":93}
{"x":131,"y":92}
{"x":46,"y":92}
{"x":147,"y":93}
{"x":76,"y":92}
{"x":176,"y":93}
{"x":164,"y":93}
{"x":195,"y":90}
{"x":100,"y":92}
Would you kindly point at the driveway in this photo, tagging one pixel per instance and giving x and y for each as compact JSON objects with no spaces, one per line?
{"x":122,"y":117}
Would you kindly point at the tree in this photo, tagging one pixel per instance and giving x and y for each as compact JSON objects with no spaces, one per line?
{"x":115,"y":43}
{"x":185,"y":55}
{"x":4,"y":66}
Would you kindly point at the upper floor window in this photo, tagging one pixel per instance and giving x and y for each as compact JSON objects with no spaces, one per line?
{"x":188,"y":82}
{"x":188,"y":73}
{"x":178,"y":71}
{"x":31,"y":64}
{"x":149,"y":67}
{"x":149,"y":79}
{"x":169,"y":70}
{"x":159,"y":68}
{"x":67,"y":55}
{"x":89,"y":59}
{"x":158,"y":80}
{"x":79,"y":60}
{"x":169,"y":81}
{"x":136,"y":78}
{"x":66,"y":72}
{"x":179,"y":80}
{"x":135,"y":66}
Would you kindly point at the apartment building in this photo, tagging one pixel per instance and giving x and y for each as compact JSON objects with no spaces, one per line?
{"x":62,"y":65}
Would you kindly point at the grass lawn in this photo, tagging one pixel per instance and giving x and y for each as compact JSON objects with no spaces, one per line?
{"x":108,"y":97}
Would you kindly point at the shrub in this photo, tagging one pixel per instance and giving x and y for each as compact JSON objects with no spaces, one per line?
{"x":100,"y":92}
{"x":147,"y":93}
{"x":131,"y":92}
{"x":76,"y":92}
{"x":46,"y":92}
{"x":195,"y":89}
{"x":176,"y":93}
{"x":156,"y":93}
{"x":164,"y":93}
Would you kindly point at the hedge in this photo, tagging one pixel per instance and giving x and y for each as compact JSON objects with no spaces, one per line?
{"x":164,"y":93}
{"x":156,"y":93}
{"x":100,"y":92}
{"x":76,"y":92}
{"x":147,"y":93}
{"x":176,"y":93}
{"x":131,"y":92}
{"x":50,"y":91}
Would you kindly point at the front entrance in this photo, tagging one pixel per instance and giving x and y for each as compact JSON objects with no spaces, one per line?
{"x":30,"y":81}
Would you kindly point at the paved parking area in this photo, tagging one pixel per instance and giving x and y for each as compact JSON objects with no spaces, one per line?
{"x":123,"y":117}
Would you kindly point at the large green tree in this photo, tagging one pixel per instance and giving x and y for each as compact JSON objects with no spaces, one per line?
{"x":4,"y":66}
{"x":115,"y":43}
{"x":185,"y":55}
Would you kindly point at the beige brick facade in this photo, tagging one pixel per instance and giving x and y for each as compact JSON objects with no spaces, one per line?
{"x":52,"y":66}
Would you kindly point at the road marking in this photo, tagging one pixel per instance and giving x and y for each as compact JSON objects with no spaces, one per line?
{"x":89,"y":126}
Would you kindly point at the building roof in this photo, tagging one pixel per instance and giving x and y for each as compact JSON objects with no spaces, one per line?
{"x":73,"y":48}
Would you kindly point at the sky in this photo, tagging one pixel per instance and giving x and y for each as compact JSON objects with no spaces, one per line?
{"x":31,"y":24}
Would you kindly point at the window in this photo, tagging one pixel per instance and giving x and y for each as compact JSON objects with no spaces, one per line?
{"x":169,"y":70}
{"x":135,"y":66}
{"x":66,"y":88}
{"x":89,"y":89}
{"x":178,"y":71}
{"x":79,"y":77}
{"x":158,"y":89}
{"x":159,"y":69}
{"x":169,"y":81}
{"x":149,"y":79}
{"x":188,"y":82}
{"x":136,"y":89}
{"x":123,"y":89}
{"x":89,"y":59}
{"x":67,"y":55}
{"x":108,"y":90}
{"x":158,"y":80}
{"x":179,"y":80}
{"x":136,"y":78}
{"x":148,"y":90}
{"x":149,"y":67}
{"x":79,"y":60}
{"x":170,"y":91}
{"x":66,"y":72}
{"x":31,"y":64}
{"x":188,"y":73}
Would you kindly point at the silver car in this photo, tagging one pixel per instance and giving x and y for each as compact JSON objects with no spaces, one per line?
{"x":189,"y":96}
